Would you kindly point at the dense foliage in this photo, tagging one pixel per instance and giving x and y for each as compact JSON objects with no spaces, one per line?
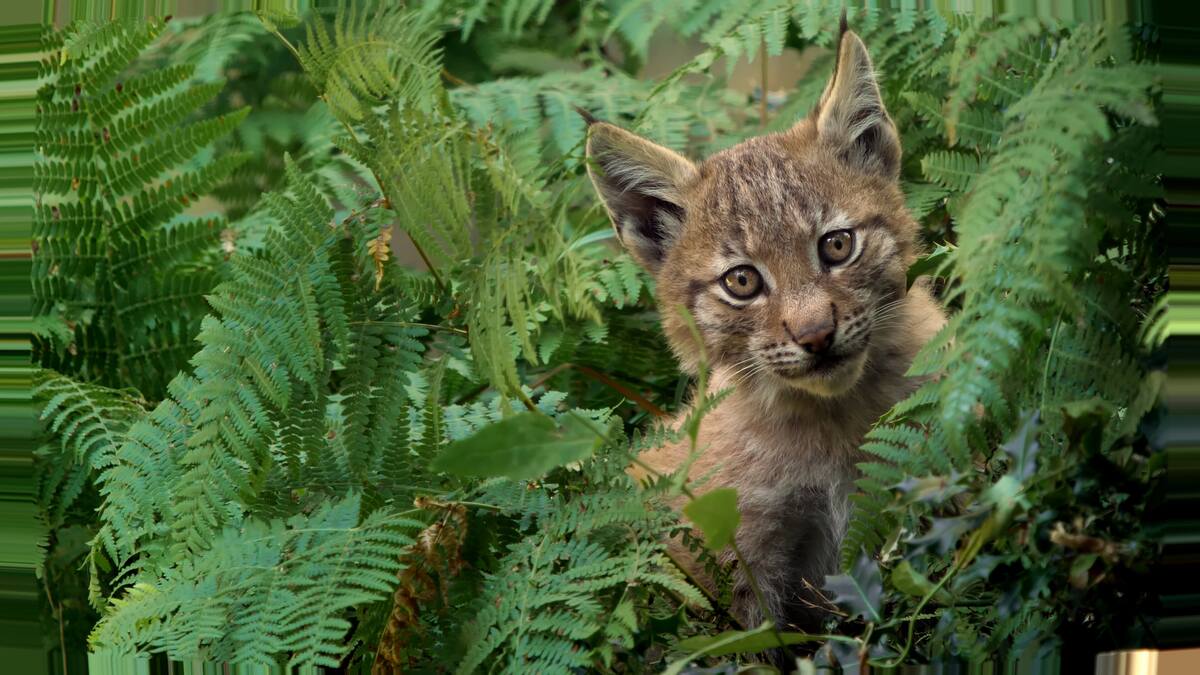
{"x":267,"y":442}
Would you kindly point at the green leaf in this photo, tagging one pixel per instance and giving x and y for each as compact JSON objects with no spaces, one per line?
{"x":1084,"y":422}
{"x":979,"y":570}
{"x":909,"y":581}
{"x":1081,"y":568}
{"x":1023,"y":447}
{"x":716,"y":514}
{"x":931,"y":489}
{"x":944,"y":533}
{"x":1004,"y":493}
{"x":931,"y":262}
{"x":589,"y":239}
{"x":861,"y":591}
{"x":736,"y":642}
{"x":526,"y":445}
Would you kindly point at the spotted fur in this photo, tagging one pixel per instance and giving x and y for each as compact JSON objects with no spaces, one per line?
{"x":788,"y":437}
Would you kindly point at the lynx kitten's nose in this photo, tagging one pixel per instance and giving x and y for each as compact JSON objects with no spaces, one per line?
{"x":817,"y":340}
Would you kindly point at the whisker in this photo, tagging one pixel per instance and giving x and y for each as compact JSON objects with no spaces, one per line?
{"x":736,"y":366}
{"x":743,"y":369}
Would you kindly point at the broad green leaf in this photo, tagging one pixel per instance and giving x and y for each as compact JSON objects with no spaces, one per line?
{"x":735,"y":642}
{"x":526,"y":445}
{"x":1023,"y":447}
{"x":1081,"y":569}
{"x":930,"y":489}
{"x":944,"y":533}
{"x":979,"y":570}
{"x":1004,"y":494}
{"x":861,"y":591}
{"x":716,"y":514}
{"x":909,"y":581}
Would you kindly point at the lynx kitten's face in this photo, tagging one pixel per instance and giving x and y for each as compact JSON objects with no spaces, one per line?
{"x":789,"y":250}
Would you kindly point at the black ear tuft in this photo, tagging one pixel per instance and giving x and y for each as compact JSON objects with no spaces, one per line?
{"x":588,"y":117}
{"x":851,"y":115}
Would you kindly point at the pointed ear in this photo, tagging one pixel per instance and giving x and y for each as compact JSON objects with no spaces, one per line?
{"x":640,"y":184}
{"x":851,"y":115}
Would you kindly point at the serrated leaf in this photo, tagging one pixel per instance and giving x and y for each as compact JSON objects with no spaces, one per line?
{"x":717,"y":516}
{"x":909,"y":581}
{"x":526,"y":445}
{"x":979,"y":570}
{"x":944,"y":533}
{"x":1023,"y":447}
{"x":861,"y":591}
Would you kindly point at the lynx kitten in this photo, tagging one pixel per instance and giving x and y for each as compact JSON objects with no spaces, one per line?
{"x":790,"y":251}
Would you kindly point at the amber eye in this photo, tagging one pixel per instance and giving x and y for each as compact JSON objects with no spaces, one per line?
{"x":743,"y":282}
{"x":835,"y":247}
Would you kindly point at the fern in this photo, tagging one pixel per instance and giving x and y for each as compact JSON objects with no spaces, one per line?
{"x":584,"y":563}
{"x":88,"y":422}
{"x":113,"y":249}
{"x":269,"y":498}
{"x":264,"y":589}
{"x":991,"y":219}
{"x":1039,"y":325}
{"x":367,"y":57}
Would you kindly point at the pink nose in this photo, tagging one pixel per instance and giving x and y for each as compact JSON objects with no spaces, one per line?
{"x":815,"y":340}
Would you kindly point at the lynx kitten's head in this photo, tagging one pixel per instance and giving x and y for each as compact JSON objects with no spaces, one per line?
{"x":789,"y":250}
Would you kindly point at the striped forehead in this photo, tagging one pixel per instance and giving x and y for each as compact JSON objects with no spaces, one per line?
{"x":762,"y":198}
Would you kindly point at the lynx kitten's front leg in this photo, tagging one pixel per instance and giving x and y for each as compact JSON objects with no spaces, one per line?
{"x":790,"y":549}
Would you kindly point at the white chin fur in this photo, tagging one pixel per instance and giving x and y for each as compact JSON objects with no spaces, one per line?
{"x":835,"y":382}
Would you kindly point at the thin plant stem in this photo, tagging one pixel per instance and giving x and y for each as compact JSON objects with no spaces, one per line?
{"x":1049,"y":356}
{"x":762,"y":100}
{"x":409,"y":324}
{"x":604,"y":379}
{"x":57,"y":609}
{"x":912,"y":621}
{"x":478,"y":505}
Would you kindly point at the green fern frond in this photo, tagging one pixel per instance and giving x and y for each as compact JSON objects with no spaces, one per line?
{"x":1031,"y":332}
{"x":257,"y":358}
{"x":545,"y":606}
{"x":264,"y":589}
{"x":112,"y":174}
{"x":369,"y":56}
{"x":1053,"y":200}
{"x":87,"y":423}
{"x":952,"y":170}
